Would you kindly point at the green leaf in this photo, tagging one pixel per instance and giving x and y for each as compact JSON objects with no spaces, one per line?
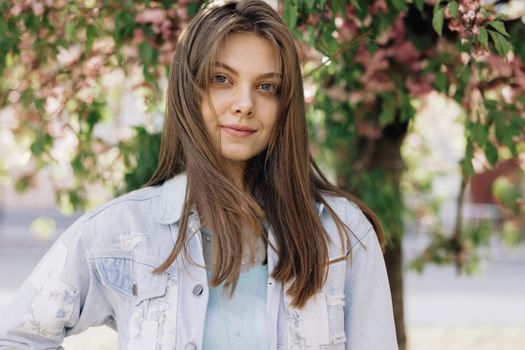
{"x":401,"y":5}
{"x":436,"y":6}
{"x":466,"y":163}
{"x":70,"y":31}
{"x":437,"y":21}
{"x":500,"y":127}
{"x":490,"y":104}
{"x":419,"y":4}
{"x":407,"y":110}
{"x":467,"y":166}
{"x":464,"y":75}
{"x":491,"y":153}
{"x":483,"y":37}
{"x":290,"y":13}
{"x":356,"y":4}
{"x":91,"y":32}
{"x":388,"y":112}
{"x":93,"y":118}
{"x":479,"y":133}
{"x":310,"y":4}
{"x":453,"y":8}
{"x":150,"y":78}
{"x":145,"y":53}
{"x":42,"y":143}
{"x":500,"y":42}
{"x":441,"y":81}
{"x":500,"y":27}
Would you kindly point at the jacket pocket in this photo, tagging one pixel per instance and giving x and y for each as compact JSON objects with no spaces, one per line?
{"x":152,"y":301}
{"x":131,"y":279}
{"x":153,"y":321}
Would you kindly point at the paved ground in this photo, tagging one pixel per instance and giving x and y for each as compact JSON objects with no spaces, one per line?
{"x":443,"y":310}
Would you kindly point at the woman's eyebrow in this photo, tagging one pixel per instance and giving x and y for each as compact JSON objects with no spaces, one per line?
{"x":231,"y":70}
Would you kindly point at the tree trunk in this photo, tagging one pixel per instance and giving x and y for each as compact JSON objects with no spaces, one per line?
{"x":387,"y":157}
{"x":382,"y":156}
{"x":394,"y":266}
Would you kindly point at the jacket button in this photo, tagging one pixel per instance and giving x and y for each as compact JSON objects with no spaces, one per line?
{"x":197,"y":290}
{"x":134,"y":289}
{"x":190,"y":346}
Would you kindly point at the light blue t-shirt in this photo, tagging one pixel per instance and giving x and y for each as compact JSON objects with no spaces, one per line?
{"x":238,"y":322}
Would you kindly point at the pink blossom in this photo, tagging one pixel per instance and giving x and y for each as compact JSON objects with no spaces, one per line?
{"x":469,"y":16}
{"x":469,"y":5}
{"x":155,"y":16}
{"x":138,"y":36}
{"x":43,"y":33}
{"x":420,"y":85}
{"x":15,"y":10}
{"x":27,"y":58}
{"x":347,"y":32}
{"x":57,"y":4}
{"x":182,"y":13}
{"x":498,"y":66}
{"x":379,"y":6}
{"x":38,"y":9}
{"x":166,"y":52}
{"x":519,"y":72}
{"x":156,"y":29}
{"x":365,"y":128}
{"x":313,"y":19}
{"x":405,"y":52}
{"x":338,"y":93}
{"x":380,"y":82}
{"x":166,"y":28}
{"x":455,"y":25}
{"x":398,"y":28}
{"x":479,"y":53}
{"x":371,"y":62}
{"x":93,"y":66}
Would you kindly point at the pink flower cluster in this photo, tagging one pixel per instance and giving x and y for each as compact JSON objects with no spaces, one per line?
{"x":37,"y":7}
{"x":166,"y":25}
{"x":470,"y":18}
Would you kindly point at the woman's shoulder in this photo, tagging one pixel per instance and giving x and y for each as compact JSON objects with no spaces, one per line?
{"x":351,"y":215}
{"x":126,"y":226}
{"x":136,"y":201}
{"x":133,"y":211}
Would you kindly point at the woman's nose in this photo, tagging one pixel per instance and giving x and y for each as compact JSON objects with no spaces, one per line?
{"x":243,"y":103}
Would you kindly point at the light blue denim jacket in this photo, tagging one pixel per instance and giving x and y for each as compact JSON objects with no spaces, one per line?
{"x":100,"y":272}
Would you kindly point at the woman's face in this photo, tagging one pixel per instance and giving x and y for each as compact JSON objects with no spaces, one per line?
{"x":244,"y":95}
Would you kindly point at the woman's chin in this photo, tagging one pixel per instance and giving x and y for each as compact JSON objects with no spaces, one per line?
{"x":238,"y":156}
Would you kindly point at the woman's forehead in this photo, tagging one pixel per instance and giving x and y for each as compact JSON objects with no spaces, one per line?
{"x":248,"y":51}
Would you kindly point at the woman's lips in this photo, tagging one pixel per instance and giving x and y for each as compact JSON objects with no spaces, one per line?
{"x":238,"y":131}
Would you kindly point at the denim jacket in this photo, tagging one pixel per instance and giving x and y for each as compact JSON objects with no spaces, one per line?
{"x":100,"y":272}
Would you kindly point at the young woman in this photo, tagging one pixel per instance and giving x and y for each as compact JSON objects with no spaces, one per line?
{"x":238,"y":241}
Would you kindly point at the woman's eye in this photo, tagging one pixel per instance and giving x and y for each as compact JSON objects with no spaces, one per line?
{"x":220,"y":79}
{"x":268,"y":87}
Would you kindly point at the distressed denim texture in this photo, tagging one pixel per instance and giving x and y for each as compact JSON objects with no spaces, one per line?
{"x":100,"y":271}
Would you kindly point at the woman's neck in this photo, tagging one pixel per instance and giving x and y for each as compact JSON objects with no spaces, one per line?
{"x":236,"y":172}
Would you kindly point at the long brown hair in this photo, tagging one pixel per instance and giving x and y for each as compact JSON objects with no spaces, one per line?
{"x":283,"y":182}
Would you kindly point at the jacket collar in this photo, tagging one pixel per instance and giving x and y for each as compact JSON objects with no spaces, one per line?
{"x":173,"y":195}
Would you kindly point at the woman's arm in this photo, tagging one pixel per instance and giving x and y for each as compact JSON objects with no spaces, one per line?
{"x":369,"y":321}
{"x":62,"y":296}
